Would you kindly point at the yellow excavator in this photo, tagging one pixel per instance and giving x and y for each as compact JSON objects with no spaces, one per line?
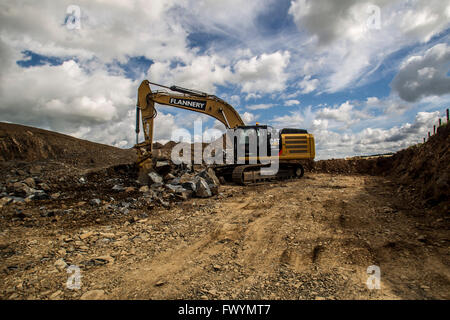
{"x":287,"y":147}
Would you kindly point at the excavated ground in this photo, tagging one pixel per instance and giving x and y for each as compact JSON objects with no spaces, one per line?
{"x":311,"y":238}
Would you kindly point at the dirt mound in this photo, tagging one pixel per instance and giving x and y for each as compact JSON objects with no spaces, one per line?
{"x":426,"y":167}
{"x":423,"y":169}
{"x":168,"y":146}
{"x":23,"y":143}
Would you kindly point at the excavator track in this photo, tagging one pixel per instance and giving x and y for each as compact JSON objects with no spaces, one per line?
{"x":250,"y":174}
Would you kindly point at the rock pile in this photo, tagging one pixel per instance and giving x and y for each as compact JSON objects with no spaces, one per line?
{"x":24,"y":190}
{"x":169,"y":181}
{"x":111,"y":189}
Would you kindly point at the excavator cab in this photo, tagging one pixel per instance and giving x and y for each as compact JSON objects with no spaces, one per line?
{"x":250,"y":139}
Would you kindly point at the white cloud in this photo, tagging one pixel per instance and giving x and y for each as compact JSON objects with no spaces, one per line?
{"x":248,"y":117}
{"x":252,"y":95}
{"x":265,"y":73}
{"x":372,"y":101}
{"x":341,"y":141}
{"x":424,"y":75}
{"x":293,"y":119}
{"x":291,"y":102}
{"x":345,"y":51}
{"x":89,"y":105}
{"x":109,"y":30}
{"x":308,"y":85}
{"x":344,"y":113}
{"x":262,"y":106}
{"x":202,"y":73}
{"x":235,"y":100}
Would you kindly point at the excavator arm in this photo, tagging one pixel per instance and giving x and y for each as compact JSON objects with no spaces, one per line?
{"x":188,"y":99}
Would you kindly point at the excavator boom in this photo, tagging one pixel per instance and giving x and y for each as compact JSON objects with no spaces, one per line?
{"x":190,"y":100}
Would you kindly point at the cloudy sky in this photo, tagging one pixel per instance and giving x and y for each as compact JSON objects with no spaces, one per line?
{"x":363,"y":77}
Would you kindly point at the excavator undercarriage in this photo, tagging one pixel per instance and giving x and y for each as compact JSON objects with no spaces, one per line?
{"x":245,"y":174}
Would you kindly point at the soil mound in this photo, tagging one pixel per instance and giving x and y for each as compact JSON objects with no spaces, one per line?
{"x":23,"y":143}
{"x":423,"y":168}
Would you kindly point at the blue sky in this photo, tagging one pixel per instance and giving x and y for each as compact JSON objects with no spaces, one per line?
{"x":363,"y":77}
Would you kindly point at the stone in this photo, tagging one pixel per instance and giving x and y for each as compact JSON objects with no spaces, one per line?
{"x":107,"y":234}
{"x":106,"y":258}
{"x":55,"y":295}
{"x":44,"y":186}
{"x":214,"y":189}
{"x":144,"y":189}
{"x":86,"y":235}
{"x":162,"y":164}
{"x":21,"y":189}
{"x":93,"y":295}
{"x":4,"y":201}
{"x":210,"y":176}
{"x":35,"y":169}
{"x":118,"y":187}
{"x":421,"y":238}
{"x":202,"y":188}
{"x":189,"y":185}
{"x":169,"y":177}
{"x":165,"y":204}
{"x":82,"y":180}
{"x":60,"y":264}
{"x":95,"y":202}
{"x":55,"y":195}
{"x":130,"y":189}
{"x":175,"y":181}
{"x":39,"y":195}
{"x":30,"y":182}
{"x":184,"y":195}
{"x":175,"y":188}
{"x":186,"y":177}
{"x":155,"y":178}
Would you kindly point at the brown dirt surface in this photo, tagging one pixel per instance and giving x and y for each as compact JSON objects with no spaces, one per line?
{"x":311,"y":238}
{"x":306,"y":239}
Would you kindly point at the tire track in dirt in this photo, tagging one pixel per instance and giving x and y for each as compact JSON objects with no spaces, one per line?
{"x":311,"y":238}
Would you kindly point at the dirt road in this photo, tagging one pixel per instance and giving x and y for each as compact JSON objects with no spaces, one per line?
{"x":311,"y":238}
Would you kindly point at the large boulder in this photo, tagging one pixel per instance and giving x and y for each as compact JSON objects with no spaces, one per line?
{"x":202,"y":188}
{"x":210,"y":176}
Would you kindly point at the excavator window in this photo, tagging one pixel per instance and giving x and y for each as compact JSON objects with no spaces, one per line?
{"x":256,"y":134}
